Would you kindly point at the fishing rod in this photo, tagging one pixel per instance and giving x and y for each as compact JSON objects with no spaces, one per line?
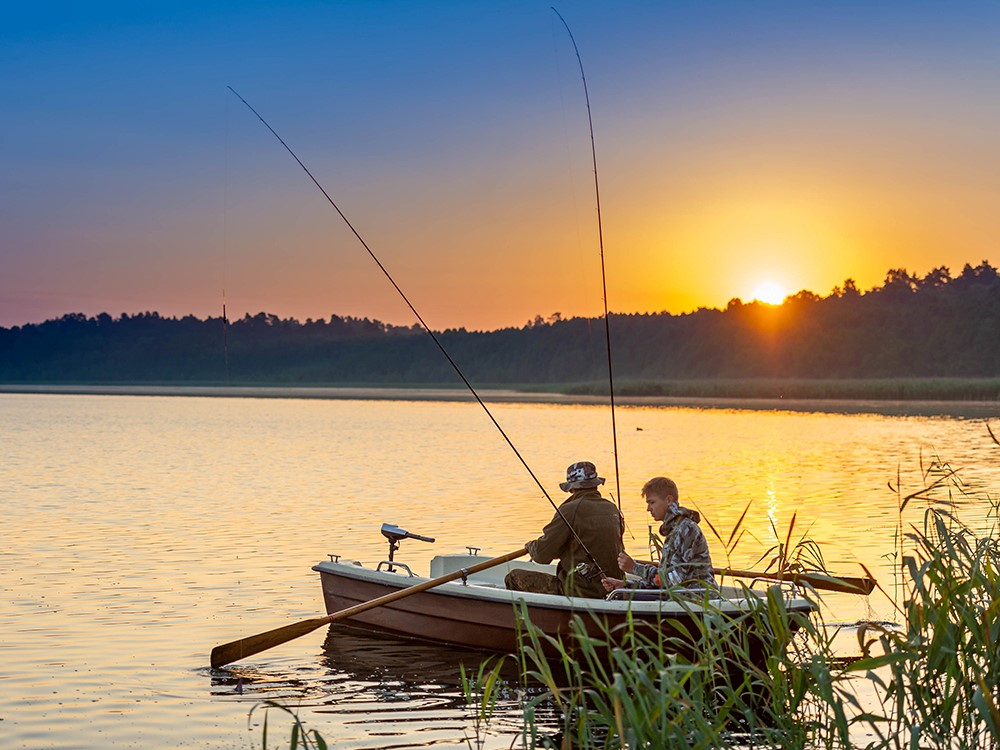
{"x":600,"y":239}
{"x":426,"y":328}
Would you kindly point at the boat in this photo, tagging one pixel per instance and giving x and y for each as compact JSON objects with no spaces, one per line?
{"x":475,"y":611}
{"x":478,"y":612}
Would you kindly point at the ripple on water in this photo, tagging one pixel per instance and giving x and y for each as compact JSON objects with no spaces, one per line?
{"x":141,"y":531}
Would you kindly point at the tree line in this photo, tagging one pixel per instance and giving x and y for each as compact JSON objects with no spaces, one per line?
{"x":937,"y":325}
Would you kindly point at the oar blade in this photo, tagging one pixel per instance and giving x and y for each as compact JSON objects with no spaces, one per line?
{"x":823,"y":581}
{"x":847,"y":585}
{"x":254,"y":644}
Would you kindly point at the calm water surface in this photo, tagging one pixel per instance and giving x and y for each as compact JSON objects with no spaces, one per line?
{"x":139,"y":532}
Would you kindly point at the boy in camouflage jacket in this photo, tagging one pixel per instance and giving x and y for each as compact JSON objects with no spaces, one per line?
{"x":685,"y":559}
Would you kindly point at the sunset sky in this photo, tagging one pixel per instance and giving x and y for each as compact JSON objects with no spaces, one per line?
{"x":739,"y":144}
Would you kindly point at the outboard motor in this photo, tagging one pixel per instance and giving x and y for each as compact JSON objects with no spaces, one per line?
{"x":395,"y":535}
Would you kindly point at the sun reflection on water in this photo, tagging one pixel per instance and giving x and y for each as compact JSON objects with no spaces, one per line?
{"x":141,"y":531}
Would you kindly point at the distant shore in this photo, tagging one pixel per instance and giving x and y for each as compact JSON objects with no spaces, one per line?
{"x":967,"y":409}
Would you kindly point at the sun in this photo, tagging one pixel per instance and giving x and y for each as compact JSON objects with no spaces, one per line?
{"x":770,"y":293}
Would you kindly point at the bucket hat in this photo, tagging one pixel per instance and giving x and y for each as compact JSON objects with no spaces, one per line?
{"x":581,"y":475}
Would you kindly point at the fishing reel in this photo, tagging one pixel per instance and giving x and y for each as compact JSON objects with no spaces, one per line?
{"x":587,"y":571}
{"x":395,"y":535}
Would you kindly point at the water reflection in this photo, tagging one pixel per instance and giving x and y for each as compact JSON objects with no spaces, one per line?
{"x":378,"y":657}
{"x":418,"y":688}
{"x":141,"y":531}
{"x":374,"y":691}
{"x":382,"y":693}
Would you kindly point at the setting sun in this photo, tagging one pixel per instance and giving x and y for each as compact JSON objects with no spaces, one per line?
{"x":770,"y":293}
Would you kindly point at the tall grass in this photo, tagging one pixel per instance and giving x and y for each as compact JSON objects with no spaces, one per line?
{"x":882,"y":389}
{"x":754,"y":680}
{"x":771,"y":679}
{"x":299,"y":737}
{"x":941,"y":671}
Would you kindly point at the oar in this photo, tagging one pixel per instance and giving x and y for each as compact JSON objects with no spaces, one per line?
{"x":254,"y":644}
{"x":847,"y":584}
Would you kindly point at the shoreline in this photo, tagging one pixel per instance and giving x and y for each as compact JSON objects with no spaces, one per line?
{"x":966,"y":409}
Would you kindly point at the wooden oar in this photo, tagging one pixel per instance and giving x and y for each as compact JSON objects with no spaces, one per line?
{"x":254,"y":644}
{"x":847,"y":584}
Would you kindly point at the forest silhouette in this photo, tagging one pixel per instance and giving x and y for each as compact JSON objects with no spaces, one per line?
{"x":935,"y":326}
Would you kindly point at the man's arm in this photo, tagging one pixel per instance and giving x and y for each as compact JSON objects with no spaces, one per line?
{"x":553,"y":540}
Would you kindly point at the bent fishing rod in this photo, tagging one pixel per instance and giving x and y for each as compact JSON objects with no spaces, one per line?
{"x":426,"y":328}
{"x":600,"y":239}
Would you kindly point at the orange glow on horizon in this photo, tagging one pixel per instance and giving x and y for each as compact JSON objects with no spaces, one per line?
{"x":767,"y":160}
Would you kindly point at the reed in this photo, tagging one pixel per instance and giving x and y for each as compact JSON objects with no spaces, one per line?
{"x":941,"y":672}
{"x":866,"y":389}
{"x":482,"y":691}
{"x":935,"y":676}
{"x":299,"y":737}
{"x":630,"y":688}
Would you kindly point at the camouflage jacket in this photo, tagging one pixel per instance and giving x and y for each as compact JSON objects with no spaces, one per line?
{"x":599,"y":524}
{"x":685,"y":557}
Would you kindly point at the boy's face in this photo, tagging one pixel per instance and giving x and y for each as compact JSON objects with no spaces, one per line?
{"x":657,"y":505}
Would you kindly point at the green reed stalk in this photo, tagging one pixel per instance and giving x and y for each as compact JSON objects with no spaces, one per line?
{"x":942,"y":670}
{"x":770,"y":678}
{"x":307,"y":739}
{"x":936,"y":677}
{"x":727,"y":680}
{"x":482,"y":691}
{"x":877,"y":389}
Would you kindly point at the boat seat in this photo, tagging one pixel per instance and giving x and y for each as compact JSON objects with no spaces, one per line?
{"x":445,"y":564}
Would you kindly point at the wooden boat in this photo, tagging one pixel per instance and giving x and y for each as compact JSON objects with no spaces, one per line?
{"x":478,"y":612}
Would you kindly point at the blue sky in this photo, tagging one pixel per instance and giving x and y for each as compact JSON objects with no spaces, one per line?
{"x":738,"y":143}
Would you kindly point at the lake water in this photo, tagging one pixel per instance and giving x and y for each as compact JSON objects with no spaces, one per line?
{"x":139,"y":532}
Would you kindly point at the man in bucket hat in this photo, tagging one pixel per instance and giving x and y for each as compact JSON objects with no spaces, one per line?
{"x":598,"y":527}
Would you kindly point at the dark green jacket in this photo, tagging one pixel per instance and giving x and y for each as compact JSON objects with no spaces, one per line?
{"x":599,"y":525}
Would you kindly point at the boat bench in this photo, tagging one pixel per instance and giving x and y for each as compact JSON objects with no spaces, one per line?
{"x":442,"y":565}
